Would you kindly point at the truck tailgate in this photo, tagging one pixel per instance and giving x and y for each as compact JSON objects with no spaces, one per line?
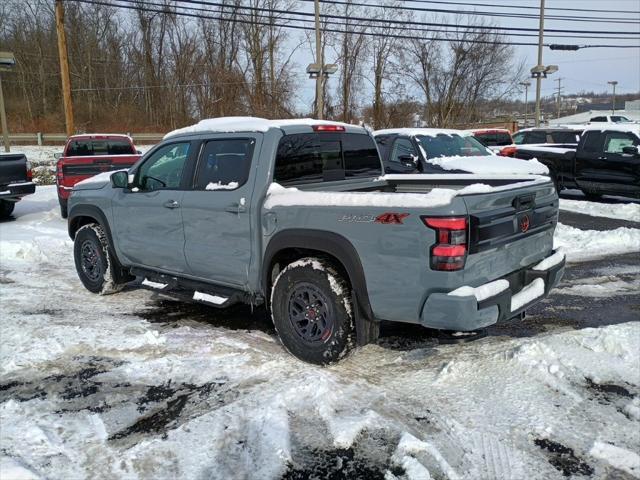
{"x":75,"y":169}
{"x":13,"y":168}
{"x":509,"y":230}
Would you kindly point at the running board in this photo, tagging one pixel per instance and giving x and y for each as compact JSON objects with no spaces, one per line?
{"x":187,"y":290}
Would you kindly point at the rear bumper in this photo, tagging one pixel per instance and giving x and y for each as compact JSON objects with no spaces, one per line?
{"x":17,"y":190}
{"x":466,"y":313}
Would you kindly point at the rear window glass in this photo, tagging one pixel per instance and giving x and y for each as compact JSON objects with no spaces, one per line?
{"x":325,"y":157}
{"x":564,"y":137}
{"x":443,"y":145}
{"x":84,"y":148}
{"x":536,"y":137}
{"x":493,"y":139}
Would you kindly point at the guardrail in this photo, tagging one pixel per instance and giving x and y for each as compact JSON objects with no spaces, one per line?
{"x":49,"y":138}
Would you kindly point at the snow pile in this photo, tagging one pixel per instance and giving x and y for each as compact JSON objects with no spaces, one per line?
{"x":617,"y":457}
{"x":221,"y":186}
{"x":581,"y":245}
{"x":623,"y":211}
{"x":483,"y":291}
{"x":427,"y":132}
{"x":490,"y":164}
{"x":528,"y":294}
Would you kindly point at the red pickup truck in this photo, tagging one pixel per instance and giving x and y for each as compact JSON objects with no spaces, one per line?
{"x":87,"y":155}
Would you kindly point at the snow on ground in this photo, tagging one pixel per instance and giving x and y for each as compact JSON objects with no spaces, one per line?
{"x":123,"y":386}
{"x":623,"y":211}
{"x":582,"y":245}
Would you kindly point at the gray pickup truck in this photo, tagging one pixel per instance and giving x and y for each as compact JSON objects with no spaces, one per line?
{"x":296,"y":214}
{"x":16,"y":181}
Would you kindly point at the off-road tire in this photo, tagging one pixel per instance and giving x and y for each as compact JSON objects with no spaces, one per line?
{"x":312,"y":287}
{"x":64,"y":212}
{"x":96,"y":265}
{"x":6,"y":208}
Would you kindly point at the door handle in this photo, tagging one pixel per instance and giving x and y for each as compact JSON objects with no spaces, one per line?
{"x":235,"y":208}
{"x":171,"y":204}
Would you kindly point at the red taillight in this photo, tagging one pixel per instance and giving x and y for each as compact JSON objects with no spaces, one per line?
{"x":29,"y":171}
{"x":450,"y":251}
{"x":507,"y":151}
{"x":328,"y":128}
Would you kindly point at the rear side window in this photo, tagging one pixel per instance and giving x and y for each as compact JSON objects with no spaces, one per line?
{"x":565,"y":137}
{"x":84,"y":148}
{"x":224,"y":164}
{"x":592,"y":142}
{"x":518,"y":138}
{"x":325,"y":157}
{"x":599,"y":119}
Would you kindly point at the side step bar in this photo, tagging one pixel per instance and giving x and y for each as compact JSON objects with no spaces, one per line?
{"x":187,"y":290}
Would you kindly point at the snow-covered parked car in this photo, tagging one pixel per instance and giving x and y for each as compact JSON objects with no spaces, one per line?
{"x":310,"y":226}
{"x":437,"y":150}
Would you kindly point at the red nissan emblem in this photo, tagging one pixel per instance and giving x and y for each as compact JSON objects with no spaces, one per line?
{"x":524,"y":223}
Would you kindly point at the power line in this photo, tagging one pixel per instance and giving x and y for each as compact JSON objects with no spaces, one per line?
{"x":165,"y":10}
{"x":369,"y":22}
{"x":476,"y":12}
{"x":524,"y":7}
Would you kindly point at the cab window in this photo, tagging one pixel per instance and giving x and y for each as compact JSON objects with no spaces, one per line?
{"x":224,"y":164}
{"x":164,"y":169}
{"x":615,"y":141}
{"x":402,"y":147}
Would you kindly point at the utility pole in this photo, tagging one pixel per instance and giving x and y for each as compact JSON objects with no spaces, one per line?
{"x":559,"y":80}
{"x":526,"y":86}
{"x":539,"y":77}
{"x":613,"y":103}
{"x":320,"y":63}
{"x":3,"y":121}
{"x":64,"y":68}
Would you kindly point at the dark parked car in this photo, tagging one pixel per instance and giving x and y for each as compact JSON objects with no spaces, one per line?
{"x":605,"y":162}
{"x":15,"y":181}
{"x":557,"y":136}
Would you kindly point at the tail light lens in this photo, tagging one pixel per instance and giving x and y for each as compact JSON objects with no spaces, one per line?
{"x":450,"y":250}
{"x":507,"y":151}
{"x":29,"y":171}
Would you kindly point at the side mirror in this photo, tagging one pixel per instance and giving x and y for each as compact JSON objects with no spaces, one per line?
{"x":631,"y":150}
{"x":409,"y":160}
{"x":57,"y":156}
{"x":119,"y":179}
{"x":139,"y":152}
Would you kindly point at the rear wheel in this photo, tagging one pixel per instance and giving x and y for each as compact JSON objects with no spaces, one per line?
{"x":312,"y":311}
{"x":6,"y":208}
{"x":96,"y":266}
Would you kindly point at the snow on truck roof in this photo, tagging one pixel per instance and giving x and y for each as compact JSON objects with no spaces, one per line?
{"x":250,"y":124}
{"x":100,"y":135}
{"x":616,"y":127}
{"x":427,"y":132}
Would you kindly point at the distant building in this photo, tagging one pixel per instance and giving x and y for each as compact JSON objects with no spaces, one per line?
{"x":632,"y":105}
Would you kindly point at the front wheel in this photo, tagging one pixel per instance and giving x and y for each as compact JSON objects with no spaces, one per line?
{"x":312,"y":311}
{"x":95,"y":264}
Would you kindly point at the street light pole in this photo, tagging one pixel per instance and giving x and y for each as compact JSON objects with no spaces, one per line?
{"x":613,"y":103}
{"x":320,"y":63}
{"x":539,"y":77}
{"x":526,"y":86}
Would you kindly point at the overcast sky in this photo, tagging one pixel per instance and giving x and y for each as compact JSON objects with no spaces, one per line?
{"x":587,"y":69}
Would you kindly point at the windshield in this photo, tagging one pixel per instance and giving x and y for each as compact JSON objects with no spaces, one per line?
{"x":445,"y":145}
{"x":493,"y":139}
{"x":89,"y":147}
